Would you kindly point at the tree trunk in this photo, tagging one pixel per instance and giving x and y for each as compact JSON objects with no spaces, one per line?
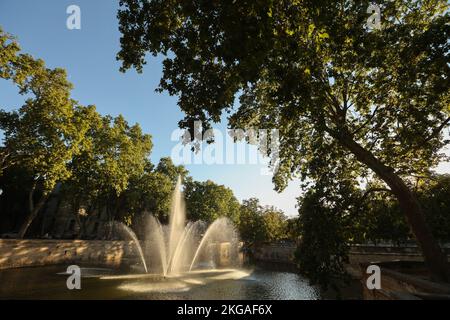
{"x":435,"y":259}
{"x":34,"y":210}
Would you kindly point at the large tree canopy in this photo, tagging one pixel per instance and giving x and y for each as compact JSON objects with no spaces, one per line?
{"x":341,"y":94}
{"x":46,"y":132}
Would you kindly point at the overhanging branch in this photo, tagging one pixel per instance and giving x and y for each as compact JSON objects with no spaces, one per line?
{"x":438,"y":130}
{"x":372,"y":190}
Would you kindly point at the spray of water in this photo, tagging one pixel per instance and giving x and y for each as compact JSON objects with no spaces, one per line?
{"x":180,"y":246}
{"x":132,"y":235}
{"x":220,"y":231}
{"x":155,"y":240}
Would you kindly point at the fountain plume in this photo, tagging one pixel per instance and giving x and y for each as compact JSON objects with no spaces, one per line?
{"x":122,"y":228}
{"x":180,"y":247}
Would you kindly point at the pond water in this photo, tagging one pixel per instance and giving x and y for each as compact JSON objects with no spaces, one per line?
{"x":97,"y":283}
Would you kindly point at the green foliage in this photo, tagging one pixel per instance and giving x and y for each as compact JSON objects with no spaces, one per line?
{"x":45,"y":133}
{"x":379,"y":218}
{"x":116,"y":153}
{"x":251,"y":226}
{"x":292,"y":229}
{"x":208,"y":201}
{"x":323,"y":249}
{"x":310,"y":69}
{"x":167,"y":167}
{"x":274,"y":223}
{"x":151,"y":192}
{"x":327,"y":229}
{"x":260,"y":224}
{"x":434,"y":196}
{"x":113,"y":155}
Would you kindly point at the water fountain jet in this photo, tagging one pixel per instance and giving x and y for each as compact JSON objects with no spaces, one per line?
{"x":180,"y":246}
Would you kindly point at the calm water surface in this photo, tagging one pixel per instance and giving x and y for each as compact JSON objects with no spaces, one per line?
{"x":50,"y":283}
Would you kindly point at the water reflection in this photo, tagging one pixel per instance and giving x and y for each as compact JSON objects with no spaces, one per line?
{"x":50,"y":283}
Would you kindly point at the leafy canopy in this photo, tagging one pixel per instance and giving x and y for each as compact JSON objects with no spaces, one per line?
{"x":44,"y":133}
{"x":311,"y":69}
{"x":208,"y":201}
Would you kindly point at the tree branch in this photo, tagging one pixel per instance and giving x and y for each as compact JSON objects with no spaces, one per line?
{"x":366,"y":122}
{"x":437,"y":130}
{"x":372,"y":190}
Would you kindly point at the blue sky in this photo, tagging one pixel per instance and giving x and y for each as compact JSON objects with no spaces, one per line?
{"x":89,"y":54}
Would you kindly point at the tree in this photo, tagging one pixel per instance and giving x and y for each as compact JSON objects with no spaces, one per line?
{"x":15,"y":67}
{"x":316,"y":72}
{"x":57,"y":140}
{"x":434,"y":195}
{"x":168,"y":168}
{"x":333,"y":216}
{"x":274,"y":223}
{"x":112,"y":154}
{"x":382,"y":218}
{"x":323,"y":249}
{"x":259,"y":224}
{"x":208,"y":201}
{"x":251,"y":226}
{"x":83,"y":185}
{"x":151,"y":192}
{"x":292,"y":227}
{"x":14,"y":183}
{"x":43,"y":134}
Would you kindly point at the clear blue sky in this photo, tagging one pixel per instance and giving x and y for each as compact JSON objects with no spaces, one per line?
{"x":88,"y":55}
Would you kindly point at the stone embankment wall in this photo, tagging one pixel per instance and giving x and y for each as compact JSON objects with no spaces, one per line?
{"x":274,"y":253}
{"x":26,"y":253}
{"x":23,"y":253}
{"x":359,"y":254}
